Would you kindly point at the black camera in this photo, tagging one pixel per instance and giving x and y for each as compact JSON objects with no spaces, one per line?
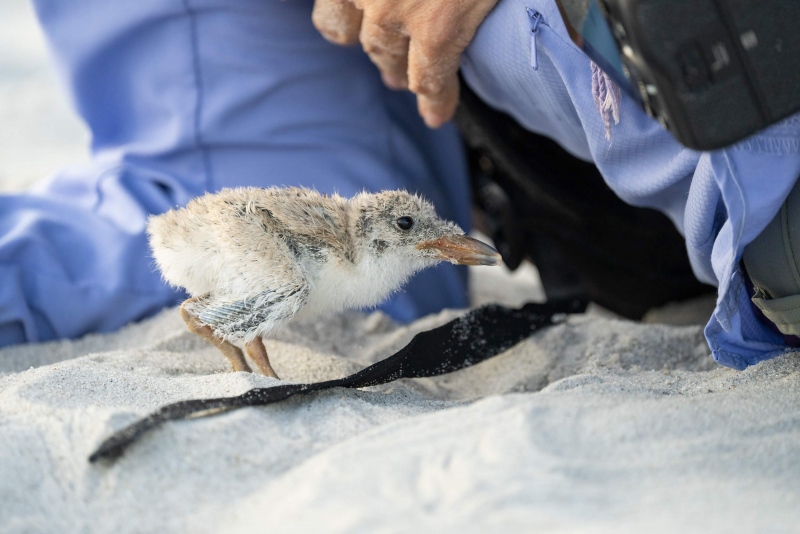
{"x":711,"y":71}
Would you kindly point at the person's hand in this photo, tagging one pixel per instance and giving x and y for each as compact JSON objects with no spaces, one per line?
{"x":416,"y":44}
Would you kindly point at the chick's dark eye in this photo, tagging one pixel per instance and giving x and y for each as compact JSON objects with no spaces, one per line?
{"x":405,"y":223}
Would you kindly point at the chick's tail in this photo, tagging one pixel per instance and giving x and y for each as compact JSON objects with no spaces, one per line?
{"x":184,"y":253}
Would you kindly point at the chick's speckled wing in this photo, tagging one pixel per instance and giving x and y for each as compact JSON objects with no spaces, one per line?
{"x":248,"y":318}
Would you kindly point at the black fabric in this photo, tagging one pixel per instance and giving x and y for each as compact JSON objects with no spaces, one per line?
{"x":540,"y":202}
{"x":470,"y":339}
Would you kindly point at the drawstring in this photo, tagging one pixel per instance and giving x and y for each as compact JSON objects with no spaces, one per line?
{"x":607,"y":97}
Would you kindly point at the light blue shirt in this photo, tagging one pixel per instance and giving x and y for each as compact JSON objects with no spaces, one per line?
{"x":719,"y":201}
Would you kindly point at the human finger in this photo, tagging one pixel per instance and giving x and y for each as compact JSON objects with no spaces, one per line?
{"x":387,"y":47}
{"x":339,"y":21}
{"x":433,"y":77}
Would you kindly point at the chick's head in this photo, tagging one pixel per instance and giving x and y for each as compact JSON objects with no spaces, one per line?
{"x":406,"y":225}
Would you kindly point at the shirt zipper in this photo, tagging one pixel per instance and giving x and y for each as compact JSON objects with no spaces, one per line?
{"x":535,"y":17}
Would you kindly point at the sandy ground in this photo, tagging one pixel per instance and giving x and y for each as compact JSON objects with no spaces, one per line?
{"x":594,"y":425}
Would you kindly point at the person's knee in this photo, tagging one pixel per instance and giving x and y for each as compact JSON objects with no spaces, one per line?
{"x":772,"y":262}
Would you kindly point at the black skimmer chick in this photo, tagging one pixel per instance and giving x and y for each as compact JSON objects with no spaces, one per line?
{"x":253,"y":259}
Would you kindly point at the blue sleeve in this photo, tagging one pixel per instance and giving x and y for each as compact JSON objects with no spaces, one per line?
{"x":719,"y":200}
{"x":188,"y":96}
{"x":76,"y":264}
{"x":751,"y":181}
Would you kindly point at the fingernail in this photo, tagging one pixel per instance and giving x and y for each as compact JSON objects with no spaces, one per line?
{"x":393,"y":82}
{"x":433,"y":120}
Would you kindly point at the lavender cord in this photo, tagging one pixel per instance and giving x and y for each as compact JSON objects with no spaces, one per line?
{"x":607,"y":97}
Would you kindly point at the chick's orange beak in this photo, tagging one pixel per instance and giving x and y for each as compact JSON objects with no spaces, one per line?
{"x":462,"y":250}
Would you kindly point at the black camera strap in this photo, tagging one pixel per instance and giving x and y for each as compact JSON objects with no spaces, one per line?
{"x":472,"y":338}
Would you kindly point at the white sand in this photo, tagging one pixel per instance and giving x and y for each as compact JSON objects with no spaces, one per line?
{"x":595,"y":425}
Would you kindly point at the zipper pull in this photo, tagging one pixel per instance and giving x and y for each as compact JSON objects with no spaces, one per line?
{"x":535,"y":17}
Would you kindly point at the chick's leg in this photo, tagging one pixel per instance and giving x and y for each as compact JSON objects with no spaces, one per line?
{"x":229,"y":350}
{"x":258,"y":353}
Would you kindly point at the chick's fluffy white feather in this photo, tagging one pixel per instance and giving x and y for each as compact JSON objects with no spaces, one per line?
{"x":236,"y":244}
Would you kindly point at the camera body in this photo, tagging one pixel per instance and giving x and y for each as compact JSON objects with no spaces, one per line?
{"x":711,"y":71}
